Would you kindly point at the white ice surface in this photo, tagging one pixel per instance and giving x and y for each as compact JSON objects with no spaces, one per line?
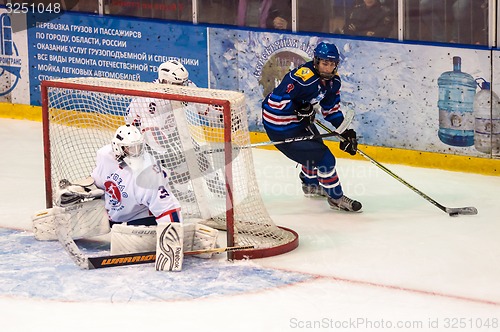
{"x":400,"y":261}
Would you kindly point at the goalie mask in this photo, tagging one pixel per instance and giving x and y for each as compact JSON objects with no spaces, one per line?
{"x":127,"y":142}
{"x":328,"y":52}
{"x":173,"y":72}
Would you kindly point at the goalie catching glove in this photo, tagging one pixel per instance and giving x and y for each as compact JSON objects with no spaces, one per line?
{"x":348,"y":142}
{"x":72,"y":193}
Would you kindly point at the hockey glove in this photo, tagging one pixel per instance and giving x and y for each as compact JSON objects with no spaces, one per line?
{"x":72,"y":193}
{"x":305,"y":112}
{"x":349,"y":143}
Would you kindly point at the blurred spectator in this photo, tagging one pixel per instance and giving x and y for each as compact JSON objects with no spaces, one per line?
{"x":432,"y":19}
{"x":455,"y":21}
{"x":276,"y":14}
{"x":314,"y":15}
{"x":482,"y":36}
{"x":340,"y":10}
{"x":217,"y":11}
{"x":469,"y":26}
{"x":392,"y":6}
{"x":272,"y":14}
{"x":180,"y":10}
{"x":370,"y":19}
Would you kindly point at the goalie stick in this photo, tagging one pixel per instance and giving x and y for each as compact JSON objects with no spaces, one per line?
{"x":452,"y":212}
{"x":91,"y":263}
{"x":147,"y":257}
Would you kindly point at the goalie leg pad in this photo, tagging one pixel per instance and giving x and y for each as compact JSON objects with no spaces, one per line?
{"x":199,"y":237}
{"x":44,"y":223}
{"x":169,"y":245}
{"x":204,"y":238}
{"x":127,"y":239}
{"x":85,"y":220}
{"x":188,"y":230}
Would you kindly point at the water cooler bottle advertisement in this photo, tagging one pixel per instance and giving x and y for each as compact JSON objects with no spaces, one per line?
{"x":469,"y":111}
{"x":456,"y":98}
{"x":486,"y":119}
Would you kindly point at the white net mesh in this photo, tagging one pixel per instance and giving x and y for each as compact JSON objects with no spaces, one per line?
{"x":185,"y":131}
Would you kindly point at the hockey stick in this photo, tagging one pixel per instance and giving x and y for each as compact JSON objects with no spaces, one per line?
{"x":148,"y":257}
{"x":469,"y":210}
{"x":348,"y":117}
{"x":288,"y":140}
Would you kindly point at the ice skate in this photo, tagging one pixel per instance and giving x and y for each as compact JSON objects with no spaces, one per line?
{"x":311,"y":190}
{"x":344,"y":203}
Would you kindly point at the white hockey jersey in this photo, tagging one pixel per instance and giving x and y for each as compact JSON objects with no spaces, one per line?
{"x":154,"y":118}
{"x":135,"y":191}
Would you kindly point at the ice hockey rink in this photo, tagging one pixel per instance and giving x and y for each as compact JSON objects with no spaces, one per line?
{"x":400,"y":265}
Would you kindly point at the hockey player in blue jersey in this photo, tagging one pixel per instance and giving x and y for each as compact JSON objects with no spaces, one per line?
{"x":289,"y":111}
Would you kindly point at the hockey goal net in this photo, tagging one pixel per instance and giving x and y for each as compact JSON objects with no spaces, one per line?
{"x":199,"y":135}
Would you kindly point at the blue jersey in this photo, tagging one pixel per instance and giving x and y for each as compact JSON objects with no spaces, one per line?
{"x":302,"y":85}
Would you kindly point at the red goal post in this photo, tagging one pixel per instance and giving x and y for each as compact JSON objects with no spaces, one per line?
{"x":206,"y":151}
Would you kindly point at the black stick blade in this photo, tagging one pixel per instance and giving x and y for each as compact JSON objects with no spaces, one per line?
{"x":466,"y":211}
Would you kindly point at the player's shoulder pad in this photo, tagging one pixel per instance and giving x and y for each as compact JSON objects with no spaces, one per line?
{"x":304,"y":75}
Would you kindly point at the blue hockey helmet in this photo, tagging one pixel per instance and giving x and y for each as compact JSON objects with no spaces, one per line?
{"x":329,"y":52}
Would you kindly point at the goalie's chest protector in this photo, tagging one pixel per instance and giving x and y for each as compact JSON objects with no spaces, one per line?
{"x":121,"y":194}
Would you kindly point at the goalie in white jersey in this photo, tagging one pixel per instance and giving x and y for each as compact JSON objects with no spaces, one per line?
{"x":135,"y":187}
{"x":142,"y":211}
{"x":137,"y":194}
{"x":155,"y":119}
